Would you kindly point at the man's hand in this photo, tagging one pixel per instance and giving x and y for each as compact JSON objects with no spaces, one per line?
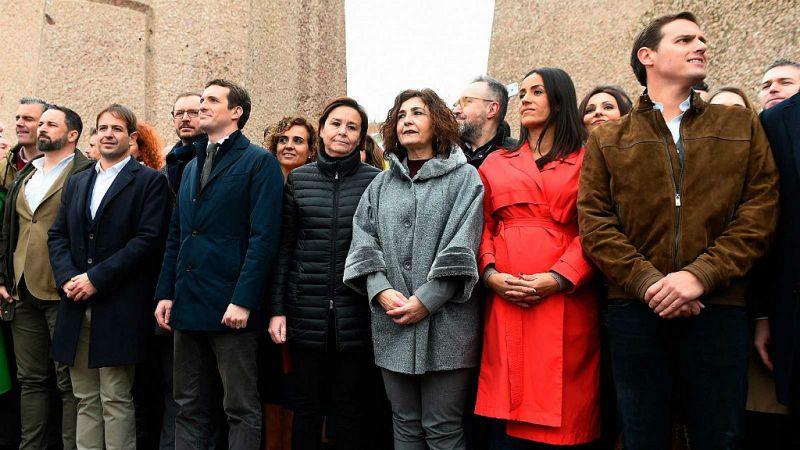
{"x":762,"y":340}
{"x":410,"y":313}
{"x":81,"y":288}
{"x":277,"y":329}
{"x":4,"y":295}
{"x":236,"y":316}
{"x":163,"y":310}
{"x":673,"y":291}
{"x":390,"y":299}
{"x":688,"y":309}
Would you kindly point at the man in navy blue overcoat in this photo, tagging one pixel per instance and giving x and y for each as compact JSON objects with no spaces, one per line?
{"x":222,"y":243}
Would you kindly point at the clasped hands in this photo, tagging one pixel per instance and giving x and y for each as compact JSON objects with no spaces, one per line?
{"x":79,"y":288}
{"x":525,"y":290}
{"x":675,"y":295}
{"x":402,"y":310}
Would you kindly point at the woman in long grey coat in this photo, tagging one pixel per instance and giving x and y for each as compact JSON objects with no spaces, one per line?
{"x":415,"y":237}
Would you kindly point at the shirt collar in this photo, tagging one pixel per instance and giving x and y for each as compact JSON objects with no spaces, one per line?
{"x":684,"y":106}
{"x":115,"y":169}
{"x":38,"y":163}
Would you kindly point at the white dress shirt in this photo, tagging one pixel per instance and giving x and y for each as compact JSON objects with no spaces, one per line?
{"x":40,"y":182}
{"x":674,"y":125}
{"x":103,"y":181}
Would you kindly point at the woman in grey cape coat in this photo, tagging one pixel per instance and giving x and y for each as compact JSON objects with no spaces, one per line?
{"x":415,"y":237}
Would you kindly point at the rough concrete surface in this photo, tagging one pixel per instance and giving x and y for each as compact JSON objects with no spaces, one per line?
{"x":592,"y":39}
{"x":86,"y":54}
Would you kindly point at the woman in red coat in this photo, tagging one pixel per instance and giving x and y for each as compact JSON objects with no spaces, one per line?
{"x":541,"y":348}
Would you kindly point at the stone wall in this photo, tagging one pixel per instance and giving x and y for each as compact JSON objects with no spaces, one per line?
{"x":592,"y":39}
{"x":86,"y":54}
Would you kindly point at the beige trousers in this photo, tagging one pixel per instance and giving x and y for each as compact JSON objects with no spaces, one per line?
{"x":106,"y":417}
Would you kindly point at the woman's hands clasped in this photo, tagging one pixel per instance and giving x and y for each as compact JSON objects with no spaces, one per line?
{"x":402,"y":310}
{"x":525,"y":290}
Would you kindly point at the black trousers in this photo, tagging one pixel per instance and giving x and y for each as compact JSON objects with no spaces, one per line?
{"x":332,"y":382}
{"x":199,"y":357}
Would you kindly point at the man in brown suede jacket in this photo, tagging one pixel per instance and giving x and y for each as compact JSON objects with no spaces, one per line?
{"x":676,"y":201}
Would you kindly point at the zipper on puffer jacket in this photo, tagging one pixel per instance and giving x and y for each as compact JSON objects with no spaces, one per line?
{"x":334,"y":238}
{"x":677,"y":187}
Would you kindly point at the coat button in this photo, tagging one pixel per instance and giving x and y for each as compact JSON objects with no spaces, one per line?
{"x":34,"y":220}
{"x":194,"y":232}
{"x":194,"y":200}
{"x":91,"y":237}
{"x":407,"y":264}
{"x":188,"y":268}
{"x":406,"y":223}
{"x":89,"y":261}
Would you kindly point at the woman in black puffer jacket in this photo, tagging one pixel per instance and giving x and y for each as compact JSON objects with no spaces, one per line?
{"x":325,"y":323}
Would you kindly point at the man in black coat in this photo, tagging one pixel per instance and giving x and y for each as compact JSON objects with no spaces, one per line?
{"x":105,"y":247}
{"x":222,"y":243}
{"x":779,"y":324}
{"x":186,"y":120}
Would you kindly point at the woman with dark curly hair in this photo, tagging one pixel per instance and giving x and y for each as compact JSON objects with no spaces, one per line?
{"x":147,"y":147}
{"x":415,"y":239}
{"x":602,"y":104}
{"x":293,"y":141}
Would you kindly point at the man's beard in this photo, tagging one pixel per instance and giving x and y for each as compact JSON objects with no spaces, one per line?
{"x":469,"y":132}
{"x":45,"y":146}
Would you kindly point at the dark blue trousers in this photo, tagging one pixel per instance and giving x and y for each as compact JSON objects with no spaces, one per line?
{"x":694,"y":367}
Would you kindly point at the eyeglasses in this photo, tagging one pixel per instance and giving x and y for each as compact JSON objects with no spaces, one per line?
{"x":466,"y":100}
{"x":192,"y":113}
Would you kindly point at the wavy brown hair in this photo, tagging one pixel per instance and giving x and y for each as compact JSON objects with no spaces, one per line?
{"x":273,"y":133}
{"x":150,"y":146}
{"x":445,"y":127}
{"x":373,"y":155}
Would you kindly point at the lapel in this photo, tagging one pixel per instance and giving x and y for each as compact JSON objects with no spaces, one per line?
{"x":84,"y":195}
{"x":522,"y":160}
{"x":791,"y":118}
{"x":125,"y":177}
{"x":58,"y":185}
{"x":21,"y":199}
{"x":228,"y":158}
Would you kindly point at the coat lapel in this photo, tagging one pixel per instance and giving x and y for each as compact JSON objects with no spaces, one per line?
{"x":522,"y":160}
{"x":228,"y":158}
{"x":791,"y":117}
{"x":124,"y":178}
{"x":58,"y":185}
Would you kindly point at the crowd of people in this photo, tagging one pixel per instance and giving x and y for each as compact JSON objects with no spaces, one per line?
{"x":622,"y":270}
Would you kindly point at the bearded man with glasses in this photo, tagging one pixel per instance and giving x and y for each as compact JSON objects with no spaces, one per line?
{"x":480,"y":113}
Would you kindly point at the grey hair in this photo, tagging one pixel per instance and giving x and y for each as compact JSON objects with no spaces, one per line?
{"x":781,"y":62}
{"x":31,"y":100}
{"x":498,"y":92}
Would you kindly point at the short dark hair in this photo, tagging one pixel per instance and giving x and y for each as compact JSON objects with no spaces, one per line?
{"x":650,"y":37}
{"x":237,"y":96}
{"x":184,"y":95}
{"x":120,"y":112}
{"x":498,"y":92}
{"x":71,"y":118}
{"x":569,"y":133}
{"x":349,"y":102}
{"x":445,"y":127}
{"x":31,"y":100}
{"x":273,"y":133}
{"x":624,"y":102}
{"x":779,"y":63}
